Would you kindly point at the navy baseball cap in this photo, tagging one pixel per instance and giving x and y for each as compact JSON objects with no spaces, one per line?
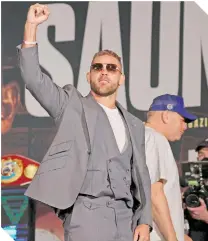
{"x":173,"y":103}
{"x":202,"y":144}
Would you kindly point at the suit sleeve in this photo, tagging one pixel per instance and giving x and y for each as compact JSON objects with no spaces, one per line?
{"x":146,"y":215}
{"x":50,"y":96}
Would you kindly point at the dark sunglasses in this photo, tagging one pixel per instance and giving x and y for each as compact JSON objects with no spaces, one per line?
{"x":112,"y":68}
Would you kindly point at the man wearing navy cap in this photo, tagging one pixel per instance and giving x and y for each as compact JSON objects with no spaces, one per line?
{"x":198,"y":217}
{"x":167,"y":120}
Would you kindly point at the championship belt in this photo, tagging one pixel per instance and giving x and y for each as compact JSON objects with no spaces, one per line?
{"x":17,"y":170}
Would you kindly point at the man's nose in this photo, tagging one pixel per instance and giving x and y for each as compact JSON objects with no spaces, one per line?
{"x":104,"y":70}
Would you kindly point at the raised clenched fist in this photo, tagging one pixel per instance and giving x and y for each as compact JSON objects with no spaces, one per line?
{"x":37,"y":14}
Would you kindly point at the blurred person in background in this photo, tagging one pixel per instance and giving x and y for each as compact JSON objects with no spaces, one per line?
{"x":198,"y":217}
{"x":167,"y":120}
{"x":10,"y":96}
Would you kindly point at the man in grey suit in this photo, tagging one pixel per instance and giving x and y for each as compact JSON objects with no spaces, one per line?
{"x":94,"y":174}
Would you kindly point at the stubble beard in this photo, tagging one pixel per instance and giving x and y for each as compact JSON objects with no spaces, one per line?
{"x":104,"y":92}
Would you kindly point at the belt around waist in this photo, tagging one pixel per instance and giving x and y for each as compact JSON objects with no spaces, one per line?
{"x":102,"y":201}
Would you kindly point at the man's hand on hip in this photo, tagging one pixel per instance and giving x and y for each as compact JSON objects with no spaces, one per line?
{"x":142,"y":233}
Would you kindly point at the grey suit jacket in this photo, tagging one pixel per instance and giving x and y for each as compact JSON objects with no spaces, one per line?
{"x":62,"y":171}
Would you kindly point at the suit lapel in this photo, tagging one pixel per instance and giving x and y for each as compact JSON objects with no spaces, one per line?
{"x":130,"y":120}
{"x":90,"y":107}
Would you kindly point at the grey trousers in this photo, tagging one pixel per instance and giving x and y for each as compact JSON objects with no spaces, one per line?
{"x":99,"y":219}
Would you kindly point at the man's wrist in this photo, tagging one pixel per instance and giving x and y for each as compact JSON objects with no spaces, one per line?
{"x":30,"y":32}
{"x":31,"y":25}
{"x":30,"y":43}
{"x":147,"y":225}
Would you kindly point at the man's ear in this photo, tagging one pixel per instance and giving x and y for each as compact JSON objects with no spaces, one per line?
{"x":88,"y":77}
{"x":122,"y":79}
{"x":165,"y":116}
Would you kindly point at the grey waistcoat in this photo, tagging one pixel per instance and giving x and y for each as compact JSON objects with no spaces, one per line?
{"x":109,"y":171}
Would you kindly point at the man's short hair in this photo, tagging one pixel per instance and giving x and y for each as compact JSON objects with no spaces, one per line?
{"x":201,"y":145}
{"x":150,"y":114}
{"x":107,"y":52}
